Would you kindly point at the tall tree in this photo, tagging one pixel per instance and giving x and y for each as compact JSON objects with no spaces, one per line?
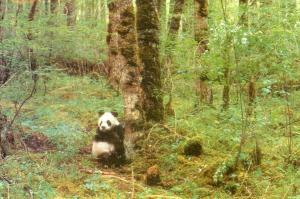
{"x":148,"y":42}
{"x":201,"y":24}
{"x":176,"y":17}
{"x":243,"y":21}
{"x":203,"y":90}
{"x":123,"y":68}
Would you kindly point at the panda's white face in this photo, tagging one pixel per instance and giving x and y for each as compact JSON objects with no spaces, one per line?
{"x":107,"y":121}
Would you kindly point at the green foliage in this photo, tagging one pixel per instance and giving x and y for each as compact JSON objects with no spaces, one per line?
{"x":64,"y":108}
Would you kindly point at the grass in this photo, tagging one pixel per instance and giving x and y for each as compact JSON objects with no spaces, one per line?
{"x":67,"y":114}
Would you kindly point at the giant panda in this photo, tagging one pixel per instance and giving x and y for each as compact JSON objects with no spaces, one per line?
{"x":108,"y":143}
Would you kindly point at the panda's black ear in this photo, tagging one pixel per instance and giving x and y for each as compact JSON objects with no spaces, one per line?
{"x":114,"y":113}
{"x":100,"y":112}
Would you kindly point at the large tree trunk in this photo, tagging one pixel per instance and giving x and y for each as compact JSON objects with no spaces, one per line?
{"x":130,"y":79}
{"x":176,"y":17}
{"x":201,"y":25}
{"x":148,"y":41}
{"x":124,"y":71}
{"x":70,"y":11}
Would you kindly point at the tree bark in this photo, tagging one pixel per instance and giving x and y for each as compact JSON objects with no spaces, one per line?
{"x":130,"y":80}
{"x":201,"y":25}
{"x":32,"y":10}
{"x":113,"y":67}
{"x":176,"y":17}
{"x":148,"y":42}
{"x":70,"y":11}
{"x":2,"y":15}
{"x":32,"y":57}
{"x":124,"y":72}
{"x":53,"y":6}
{"x":226,"y":89}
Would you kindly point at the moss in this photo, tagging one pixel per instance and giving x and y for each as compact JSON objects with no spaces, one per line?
{"x":193,"y":147}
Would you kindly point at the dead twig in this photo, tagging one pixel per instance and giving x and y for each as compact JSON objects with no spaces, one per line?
{"x":22,"y":104}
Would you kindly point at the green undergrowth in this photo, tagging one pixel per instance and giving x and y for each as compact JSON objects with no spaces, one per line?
{"x":66,"y":112}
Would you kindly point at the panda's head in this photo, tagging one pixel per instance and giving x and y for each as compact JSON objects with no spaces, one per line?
{"x":107,"y":121}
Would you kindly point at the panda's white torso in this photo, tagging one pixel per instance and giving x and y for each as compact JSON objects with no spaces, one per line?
{"x":100,"y":148}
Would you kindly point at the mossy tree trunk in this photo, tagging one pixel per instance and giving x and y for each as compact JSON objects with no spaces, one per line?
{"x":123,"y":70}
{"x":148,"y":42}
{"x":201,"y":24}
{"x":113,"y":66}
{"x":203,"y":90}
{"x":176,"y":17}
{"x":131,"y":76}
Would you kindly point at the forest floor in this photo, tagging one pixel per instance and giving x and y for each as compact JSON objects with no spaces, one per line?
{"x":58,"y":124}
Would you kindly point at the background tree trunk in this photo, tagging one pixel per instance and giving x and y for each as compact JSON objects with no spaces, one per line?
{"x":201,"y":24}
{"x":32,"y":58}
{"x":2,"y":15}
{"x":176,"y":17}
{"x":46,"y":2}
{"x":148,"y":42}
{"x":53,"y":6}
{"x":113,"y":66}
{"x":226,"y":88}
{"x":70,"y":11}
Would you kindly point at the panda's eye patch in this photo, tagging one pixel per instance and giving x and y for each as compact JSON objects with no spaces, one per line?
{"x":108,"y":123}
